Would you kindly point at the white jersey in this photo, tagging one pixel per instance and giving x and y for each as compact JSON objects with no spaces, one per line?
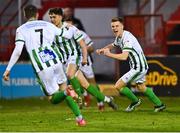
{"x":38,"y":37}
{"x":136,"y":57}
{"x":68,"y":46}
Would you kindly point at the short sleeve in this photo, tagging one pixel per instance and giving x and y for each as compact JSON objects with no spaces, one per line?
{"x":127,"y":44}
{"x":77,"y":34}
{"x":87,"y":39}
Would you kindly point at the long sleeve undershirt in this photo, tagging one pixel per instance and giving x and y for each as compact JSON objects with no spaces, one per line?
{"x":15,"y":56}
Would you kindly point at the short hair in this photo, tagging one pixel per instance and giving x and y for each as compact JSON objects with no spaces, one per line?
{"x":56,"y":10}
{"x":120,"y":19}
{"x":30,"y":11}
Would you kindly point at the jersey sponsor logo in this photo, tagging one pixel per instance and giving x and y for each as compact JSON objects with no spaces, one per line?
{"x":46,"y":55}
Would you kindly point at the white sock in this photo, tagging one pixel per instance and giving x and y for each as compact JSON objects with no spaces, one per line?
{"x":100,"y":103}
{"x":80,"y":117}
{"x":85,"y":93}
{"x":107,"y":99}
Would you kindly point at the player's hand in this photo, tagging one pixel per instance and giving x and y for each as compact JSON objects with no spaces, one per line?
{"x":100,"y":51}
{"x":84,"y":62}
{"x":6,"y":75}
{"x":106,"y":51}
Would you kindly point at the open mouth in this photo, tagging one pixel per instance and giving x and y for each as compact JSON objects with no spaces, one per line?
{"x":115,"y":32}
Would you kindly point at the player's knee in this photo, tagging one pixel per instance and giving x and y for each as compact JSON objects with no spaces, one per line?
{"x":117,"y":87}
{"x":70,"y":75}
{"x":141,"y":87}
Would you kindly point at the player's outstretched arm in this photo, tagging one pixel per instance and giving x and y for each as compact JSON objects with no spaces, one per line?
{"x":101,"y":51}
{"x":122,"y":56}
{"x":14,"y":58}
{"x":109,"y":46}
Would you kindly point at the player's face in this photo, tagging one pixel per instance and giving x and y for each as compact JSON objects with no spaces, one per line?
{"x":117,"y":28}
{"x":55,"y":19}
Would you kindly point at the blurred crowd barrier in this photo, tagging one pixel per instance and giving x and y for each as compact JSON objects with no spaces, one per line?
{"x":22,"y":82}
{"x":163,"y":76}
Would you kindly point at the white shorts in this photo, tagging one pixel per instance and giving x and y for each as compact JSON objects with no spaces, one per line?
{"x":87,"y":70}
{"x":134,"y":76}
{"x":51,"y":78}
{"x":88,"y":61}
{"x":71,"y":60}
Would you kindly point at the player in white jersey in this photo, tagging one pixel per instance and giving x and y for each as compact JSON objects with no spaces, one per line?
{"x":87,"y":69}
{"x":75,"y":76}
{"x":38,"y":37}
{"x":131,"y":50}
{"x":67,"y":48}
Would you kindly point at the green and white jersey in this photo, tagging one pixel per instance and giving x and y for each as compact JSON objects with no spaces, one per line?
{"x":136,"y":56}
{"x":38,"y":37}
{"x":68,"y":47}
{"x":88,"y":42}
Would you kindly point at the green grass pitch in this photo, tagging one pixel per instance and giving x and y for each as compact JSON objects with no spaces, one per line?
{"x":39,"y":115}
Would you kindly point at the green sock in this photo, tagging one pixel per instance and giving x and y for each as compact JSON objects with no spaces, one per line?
{"x":95,"y":92}
{"x":82,"y":90}
{"x":99,"y":91}
{"x":76,"y":85}
{"x":127,"y":92}
{"x":58,"y":97}
{"x":73,"y":106}
{"x":152,"y":97}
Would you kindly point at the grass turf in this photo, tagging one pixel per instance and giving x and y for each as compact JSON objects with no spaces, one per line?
{"x":39,"y":115}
